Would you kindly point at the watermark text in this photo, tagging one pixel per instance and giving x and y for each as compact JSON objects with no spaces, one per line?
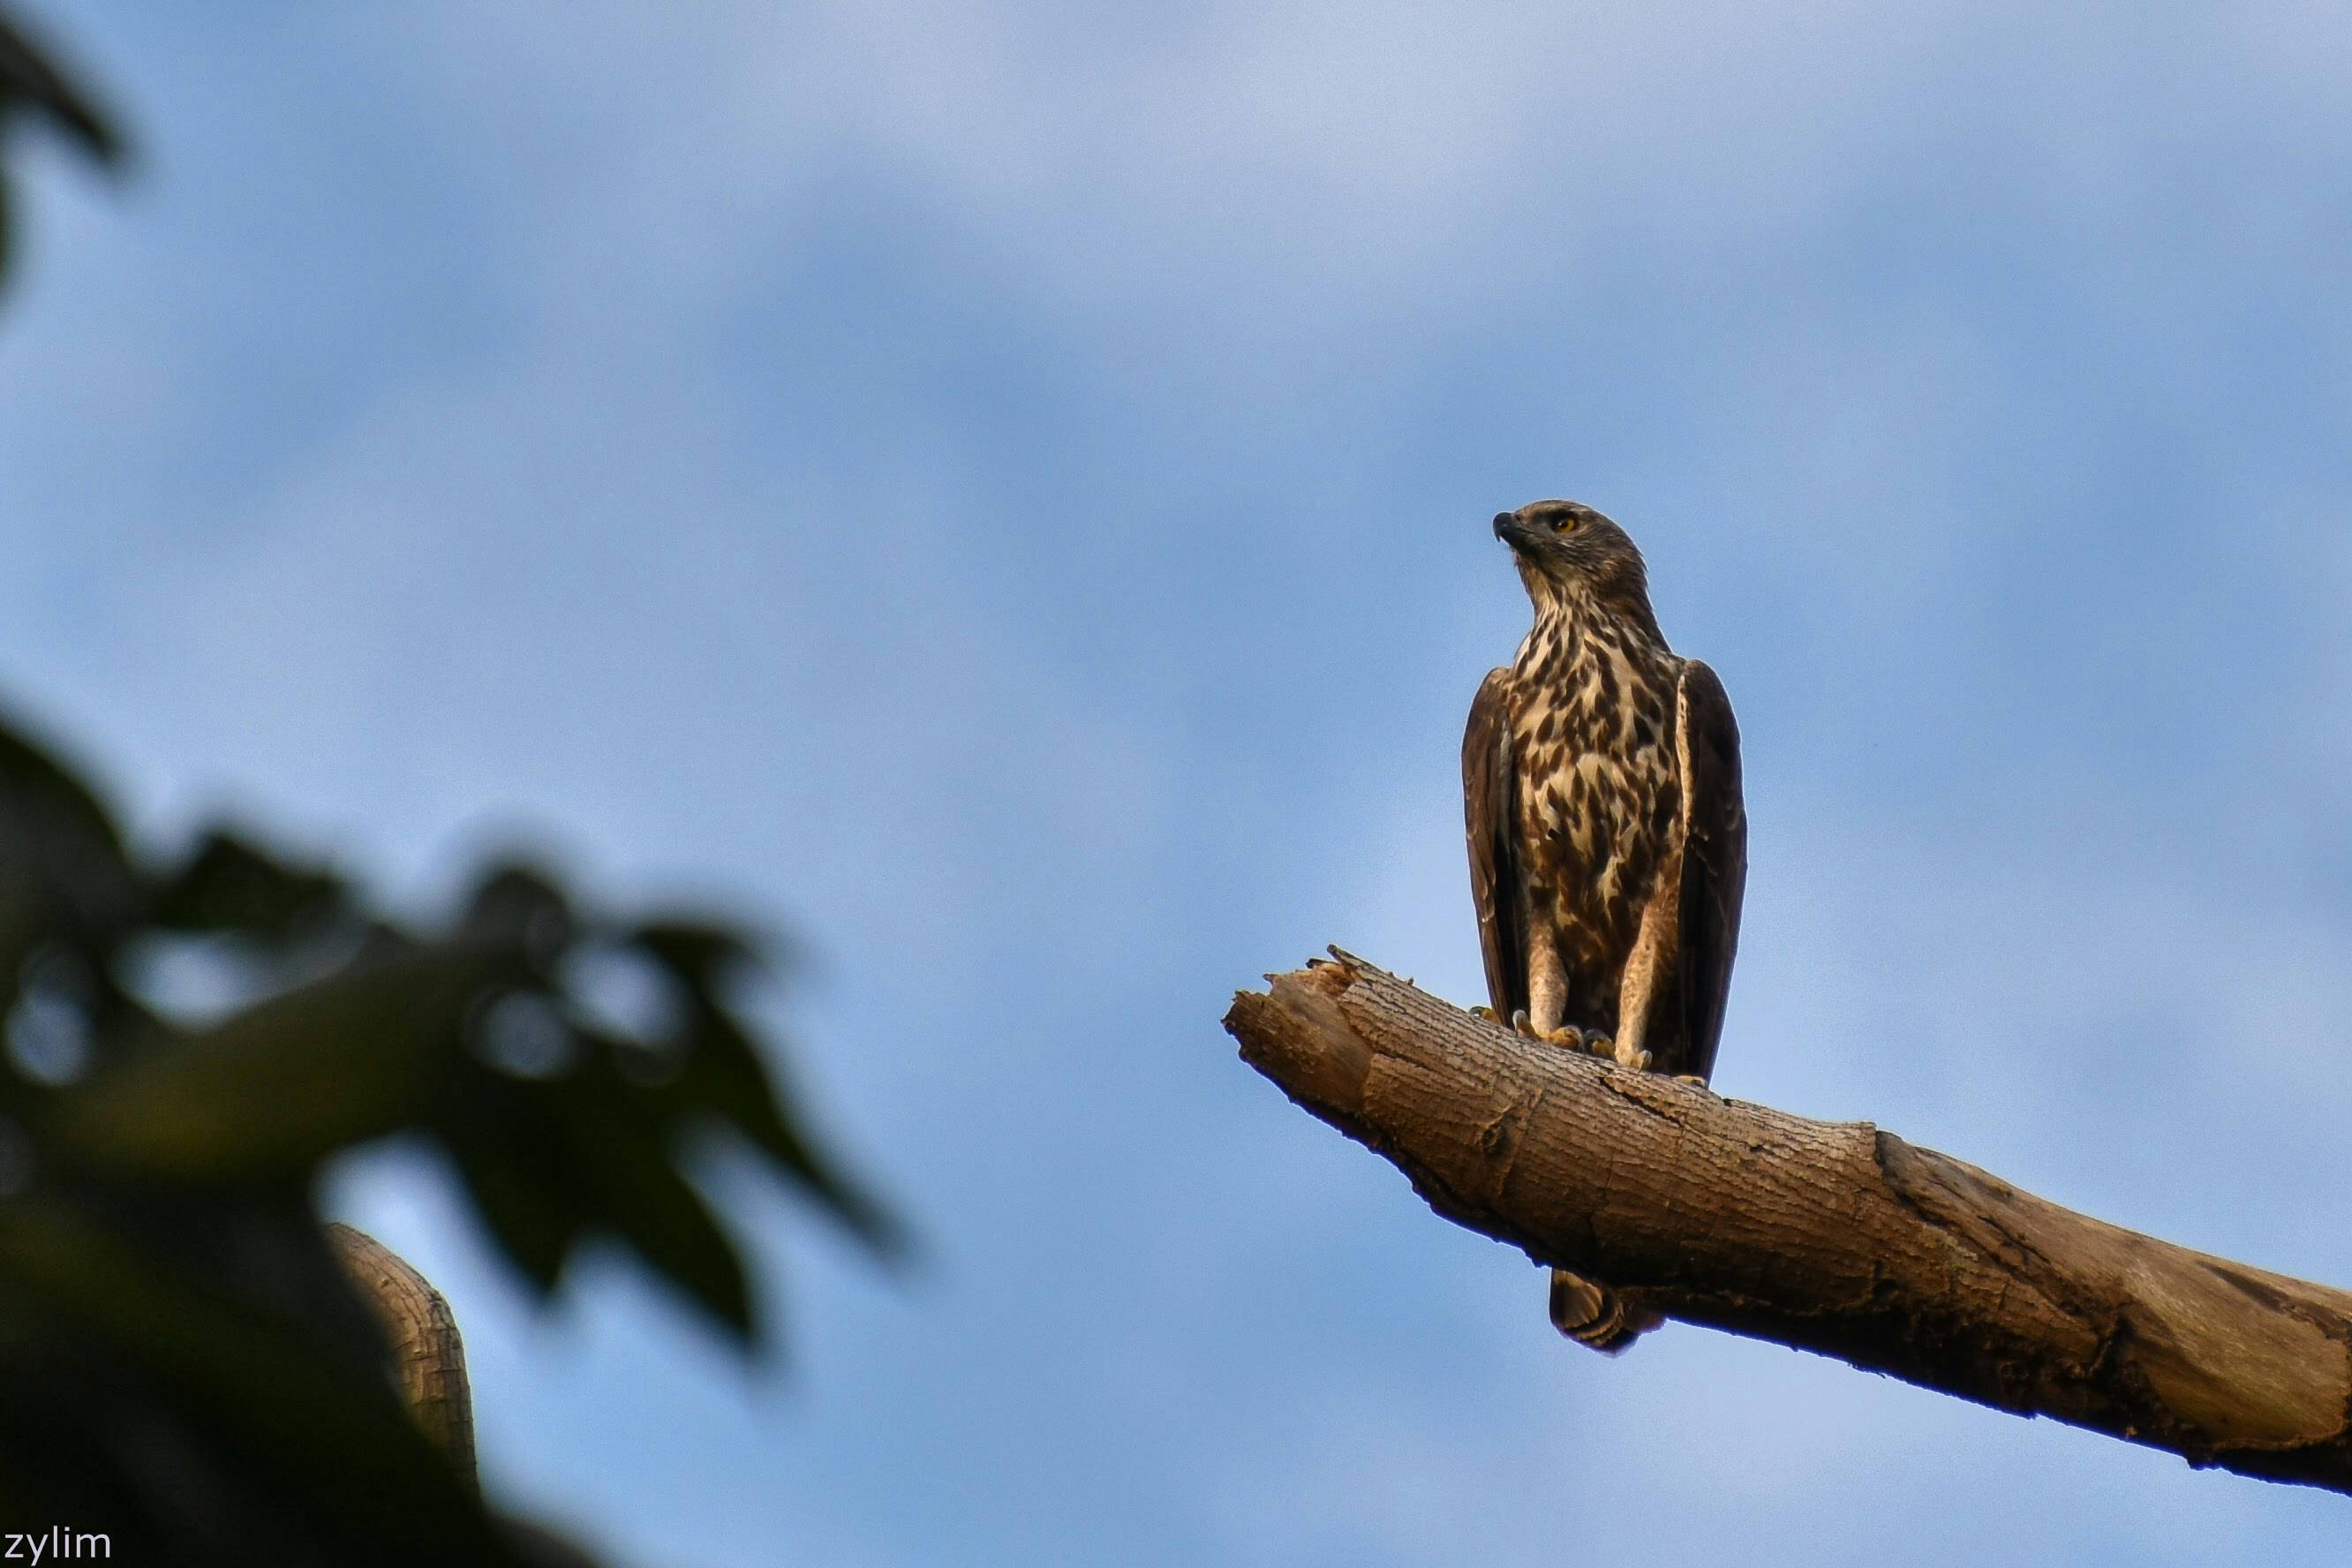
{"x":55,"y":1544}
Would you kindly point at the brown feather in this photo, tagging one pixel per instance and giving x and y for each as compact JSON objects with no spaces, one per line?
{"x":1490,"y":812}
{"x":1715,"y":862}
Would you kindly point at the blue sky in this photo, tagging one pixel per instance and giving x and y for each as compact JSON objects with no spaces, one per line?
{"x":1003,"y":492}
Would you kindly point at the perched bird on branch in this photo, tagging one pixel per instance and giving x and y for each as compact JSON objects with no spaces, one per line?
{"x":1608,"y":841}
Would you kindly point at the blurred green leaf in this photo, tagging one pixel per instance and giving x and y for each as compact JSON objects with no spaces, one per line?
{"x":724,"y":1076}
{"x":64,"y":876}
{"x":518,"y":902}
{"x":39,"y":784}
{"x":627,"y":1158}
{"x":280,"y":1087}
{"x":31,"y":82}
{"x":229,"y":885}
{"x":31,"y":85}
{"x":509,"y":1149}
{"x":699,"y":954}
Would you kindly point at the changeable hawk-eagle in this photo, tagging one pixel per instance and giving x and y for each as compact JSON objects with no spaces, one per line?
{"x":1607,"y":843}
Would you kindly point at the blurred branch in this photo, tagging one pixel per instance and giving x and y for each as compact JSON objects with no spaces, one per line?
{"x":427,"y":1357}
{"x":1833,"y":1237}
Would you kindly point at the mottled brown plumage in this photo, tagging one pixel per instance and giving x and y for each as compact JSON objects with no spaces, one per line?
{"x":1608,"y":841}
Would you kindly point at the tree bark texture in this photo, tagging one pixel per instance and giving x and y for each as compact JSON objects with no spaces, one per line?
{"x":428,"y":1359}
{"x":1837,"y":1239}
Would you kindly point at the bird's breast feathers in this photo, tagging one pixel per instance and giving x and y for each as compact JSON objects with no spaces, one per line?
{"x":1592,"y":736}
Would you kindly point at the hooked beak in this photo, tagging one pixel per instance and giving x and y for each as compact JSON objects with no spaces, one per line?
{"x":1513,"y":531}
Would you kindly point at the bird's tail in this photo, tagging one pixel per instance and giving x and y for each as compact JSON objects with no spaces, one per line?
{"x":1593,"y":1314}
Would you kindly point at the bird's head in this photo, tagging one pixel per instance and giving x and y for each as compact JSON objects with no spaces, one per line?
{"x":1567,"y":551}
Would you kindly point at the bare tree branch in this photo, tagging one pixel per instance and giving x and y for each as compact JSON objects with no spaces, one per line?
{"x":427,"y":1356}
{"x":1833,"y":1237}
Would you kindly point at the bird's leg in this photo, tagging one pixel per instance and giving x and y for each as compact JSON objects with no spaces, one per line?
{"x":1548,"y":997}
{"x":1646,"y":976}
{"x":1632,"y":1021}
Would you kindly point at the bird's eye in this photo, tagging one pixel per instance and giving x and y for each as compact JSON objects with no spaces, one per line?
{"x":1567,"y":523}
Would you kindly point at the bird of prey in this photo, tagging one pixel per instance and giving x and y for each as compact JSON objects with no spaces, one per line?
{"x":1608,"y":840}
